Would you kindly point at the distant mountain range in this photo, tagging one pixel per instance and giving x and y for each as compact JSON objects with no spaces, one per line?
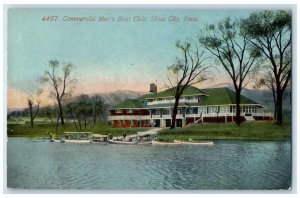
{"x":262,"y":96}
{"x":113,"y":98}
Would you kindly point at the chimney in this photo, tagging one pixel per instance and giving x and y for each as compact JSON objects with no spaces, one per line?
{"x":153,"y":88}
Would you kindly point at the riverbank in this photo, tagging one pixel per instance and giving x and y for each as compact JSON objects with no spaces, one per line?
{"x":43,"y":130}
{"x":206,"y":131}
{"x":228,"y":131}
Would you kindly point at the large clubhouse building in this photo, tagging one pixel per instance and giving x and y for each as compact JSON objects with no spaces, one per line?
{"x":195,"y":106}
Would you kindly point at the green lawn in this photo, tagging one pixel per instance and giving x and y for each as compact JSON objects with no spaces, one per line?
{"x":221,"y":131}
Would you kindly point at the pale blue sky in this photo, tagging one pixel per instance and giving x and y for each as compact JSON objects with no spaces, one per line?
{"x":107,"y":55}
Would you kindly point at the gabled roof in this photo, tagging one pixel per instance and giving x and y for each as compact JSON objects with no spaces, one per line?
{"x":223,"y":95}
{"x":129,"y":104}
{"x":189,"y":91}
{"x":213,"y":96}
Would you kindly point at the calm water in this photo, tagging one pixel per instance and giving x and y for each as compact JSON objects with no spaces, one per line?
{"x":226,"y":165}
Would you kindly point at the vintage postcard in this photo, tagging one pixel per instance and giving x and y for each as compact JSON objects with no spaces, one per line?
{"x":149,"y":98}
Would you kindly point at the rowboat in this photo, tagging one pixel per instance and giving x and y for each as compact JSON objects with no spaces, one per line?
{"x":195,"y":143}
{"x":122,"y":142}
{"x":164,"y":143}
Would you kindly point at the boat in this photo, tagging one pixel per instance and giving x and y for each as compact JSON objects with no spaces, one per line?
{"x":77,"y":137}
{"x":176,"y":142}
{"x":122,"y":142}
{"x":195,"y":143}
{"x":154,"y":142}
{"x":97,"y":138}
{"x":77,"y":141}
{"x":54,"y":140}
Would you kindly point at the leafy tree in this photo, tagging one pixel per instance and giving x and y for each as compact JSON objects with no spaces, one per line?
{"x":60,"y":83}
{"x":271,"y":33}
{"x":187,"y":69}
{"x":232,"y":49}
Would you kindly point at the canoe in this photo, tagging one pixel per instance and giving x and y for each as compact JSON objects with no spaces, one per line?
{"x":195,"y":143}
{"x":164,"y":143}
{"x":122,"y":142}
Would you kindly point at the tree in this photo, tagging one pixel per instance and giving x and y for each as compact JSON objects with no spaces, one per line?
{"x":32,"y":114}
{"x":232,"y":49}
{"x":72,"y":111}
{"x":268,"y":80}
{"x":84,"y":107}
{"x":48,"y":112}
{"x":270,"y":32}
{"x":97,"y":107}
{"x":59,"y":82}
{"x":187,"y":70}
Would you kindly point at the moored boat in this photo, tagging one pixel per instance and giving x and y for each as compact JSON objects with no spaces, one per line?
{"x":154,"y":142}
{"x":195,"y":143}
{"x":122,"y":142}
{"x":78,"y":141}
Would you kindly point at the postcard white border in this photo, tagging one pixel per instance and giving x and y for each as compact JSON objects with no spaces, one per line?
{"x":295,"y":91}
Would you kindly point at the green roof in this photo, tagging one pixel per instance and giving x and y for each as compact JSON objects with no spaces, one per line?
{"x":189,"y":91}
{"x":213,"y":96}
{"x":223,"y":95}
{"x":129,"y":103}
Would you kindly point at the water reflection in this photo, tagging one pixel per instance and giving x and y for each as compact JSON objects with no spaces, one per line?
{"x":226,"y":165}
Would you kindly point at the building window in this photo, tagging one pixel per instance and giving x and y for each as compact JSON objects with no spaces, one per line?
{"x":224,"y":109}
{"x":233,"y":109}
{"x":179,"y":111}
{"x":202,"y":109}
{"x":195,"y":110}
{"x":192,"y":110}
{"x":166,"y":112}
{"x":119,"y":111}
{"x":213,"y":109}
{"x":129,"y":111}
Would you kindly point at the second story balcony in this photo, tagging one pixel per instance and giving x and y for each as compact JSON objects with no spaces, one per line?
{"x":171,"y":101}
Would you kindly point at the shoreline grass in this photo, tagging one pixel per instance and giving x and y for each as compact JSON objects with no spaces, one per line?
{"x":207,"y":131}
{"x":229,"y":131}
{"x":43,"y":130}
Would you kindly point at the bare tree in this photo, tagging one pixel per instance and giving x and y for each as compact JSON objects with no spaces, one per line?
{"x":271,"y":33}
{"x":60,"y":83}
{"x":233,"y":51}
{"x":33,"y":113}
{"x":97,"y":107}
{"x":187,"y":70}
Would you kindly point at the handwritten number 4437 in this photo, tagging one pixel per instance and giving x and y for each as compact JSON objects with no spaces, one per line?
{"x":50,"y":18}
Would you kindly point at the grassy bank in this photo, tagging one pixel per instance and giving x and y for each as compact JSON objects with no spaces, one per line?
{"x":229,"y":131}
{"x":208,"y":131}
{"x":43,"y":130}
